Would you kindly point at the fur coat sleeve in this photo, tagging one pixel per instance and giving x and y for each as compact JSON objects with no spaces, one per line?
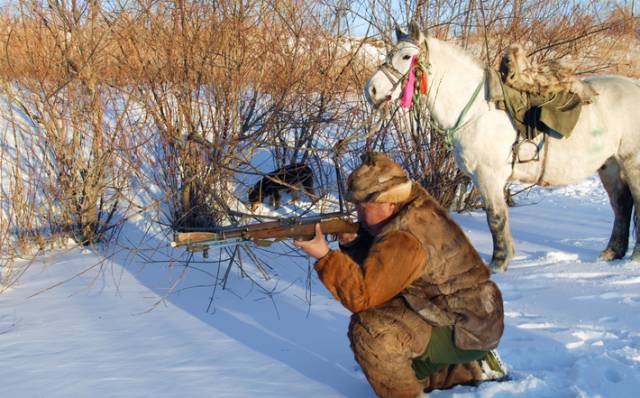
{"x":391,"y":264}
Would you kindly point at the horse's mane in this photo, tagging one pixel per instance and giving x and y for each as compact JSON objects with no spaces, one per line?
{"x":454,"y":49}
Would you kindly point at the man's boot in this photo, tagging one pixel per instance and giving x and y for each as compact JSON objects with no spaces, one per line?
{"x":492,"y":367}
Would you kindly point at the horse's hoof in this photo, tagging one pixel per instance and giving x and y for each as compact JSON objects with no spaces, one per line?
{"x":636,"y":255}
{"x":609,"y":254}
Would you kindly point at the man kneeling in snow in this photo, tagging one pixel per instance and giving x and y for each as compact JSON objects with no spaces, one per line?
{"x":425,"y":314}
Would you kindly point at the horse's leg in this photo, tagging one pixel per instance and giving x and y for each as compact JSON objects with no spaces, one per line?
{"x":631,"y":171}
{"x":491,"y":188}
{"x":622,"y":204}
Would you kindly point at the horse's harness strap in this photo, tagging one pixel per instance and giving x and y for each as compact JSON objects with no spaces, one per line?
{"x":393,"y":75}
{"x":543,"y":164}
{"x":510,"y":110}
{"x":449,"y":131}
{"x":391,"y":72}
{"x":543,"y":161}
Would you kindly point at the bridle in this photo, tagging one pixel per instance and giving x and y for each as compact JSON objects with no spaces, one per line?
{"x":391,"y":73}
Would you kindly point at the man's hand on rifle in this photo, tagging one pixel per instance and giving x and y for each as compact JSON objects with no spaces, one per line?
{"x":346,"y":238}
{"x":316,"y":247}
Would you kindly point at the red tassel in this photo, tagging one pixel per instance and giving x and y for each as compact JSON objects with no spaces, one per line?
{"x":423,"y":82}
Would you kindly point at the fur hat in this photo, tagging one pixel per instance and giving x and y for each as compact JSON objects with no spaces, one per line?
{"x":378,"y":179}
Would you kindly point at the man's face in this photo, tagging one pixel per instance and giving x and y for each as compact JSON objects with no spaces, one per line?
{"x":373,"y":215}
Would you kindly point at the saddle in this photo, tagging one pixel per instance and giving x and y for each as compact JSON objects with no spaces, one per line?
{"x":539,"y":98}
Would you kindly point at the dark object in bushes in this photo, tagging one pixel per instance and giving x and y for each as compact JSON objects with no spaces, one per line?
{"x":291,"y":178}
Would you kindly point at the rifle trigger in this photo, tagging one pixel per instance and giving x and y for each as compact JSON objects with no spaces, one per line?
{"x":193,"y":248}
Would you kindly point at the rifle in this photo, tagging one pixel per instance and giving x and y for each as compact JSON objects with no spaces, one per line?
{"x":264,"y":233}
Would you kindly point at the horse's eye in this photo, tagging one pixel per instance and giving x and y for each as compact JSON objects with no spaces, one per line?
{"x":406,"y":57}
{"x":373,"y":91}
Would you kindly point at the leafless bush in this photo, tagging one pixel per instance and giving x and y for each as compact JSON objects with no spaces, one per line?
{"x":64,"y":120}
{"x":220,"y":82}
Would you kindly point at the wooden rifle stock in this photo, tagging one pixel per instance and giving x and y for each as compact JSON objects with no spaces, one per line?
{"x":303,"y":228}
{"x":306,"y":230}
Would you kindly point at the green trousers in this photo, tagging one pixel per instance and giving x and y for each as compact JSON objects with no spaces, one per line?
{"x":441,"y":351}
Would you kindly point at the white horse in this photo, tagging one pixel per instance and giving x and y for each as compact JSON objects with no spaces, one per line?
{"x":606,"y":137}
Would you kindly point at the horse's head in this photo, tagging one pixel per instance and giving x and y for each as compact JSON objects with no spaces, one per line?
{"x":385,"y":84}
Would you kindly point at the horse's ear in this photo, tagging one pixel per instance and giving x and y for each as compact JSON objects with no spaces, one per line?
{"x":400,"y":34}
{"x":415,"y":32}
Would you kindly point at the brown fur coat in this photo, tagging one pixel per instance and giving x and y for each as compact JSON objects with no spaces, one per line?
{"x":423,"y":256}
{"x":540,"y":79}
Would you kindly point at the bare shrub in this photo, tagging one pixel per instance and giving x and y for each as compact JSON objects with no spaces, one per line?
{"x":195,"y":71}
{"x":220,"y":82}
{"x":67,"y":114}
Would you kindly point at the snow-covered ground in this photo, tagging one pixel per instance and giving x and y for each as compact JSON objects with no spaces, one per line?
{"x":572,"y":324}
